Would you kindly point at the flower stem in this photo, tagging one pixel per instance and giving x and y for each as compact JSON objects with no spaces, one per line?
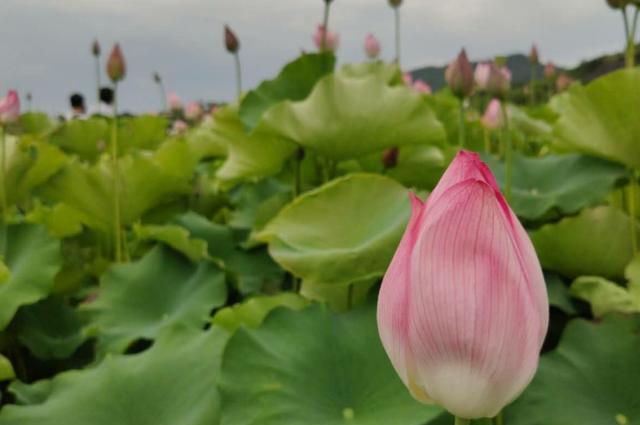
{"x":99,"y":103}
{"x":460,"y":421}
{"x":236,"y":55}
{"x":508,"y":153}
{"x":499,"y":419}
{"x":533,"y":84}
{"x":117,"y":226}
{"x":632,"y":199}
{"x":461,"y":129}
{"x":3,"y":186}
{"x":396,"y":11}
{"x":325,"y":25}
{"x":487,"y":141}
{"x":163,"y":97}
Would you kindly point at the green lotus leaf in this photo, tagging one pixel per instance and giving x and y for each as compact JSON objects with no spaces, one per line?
{"x":86,"y":138}
{"x":597,"y":242}
{"x":51,"y":329}
{"x":563,"y":184}
{"x":606,"y":296}
{"x":340,"y":298}
{"x":346,"y":117}
{"x":559,"y":294}
{"x":390,"y":72}
{"x":139,"y":300}
{"x":30,"y":163}
{"x":252,"y":312}
{"x":602,"y":118}
{"x":172,"y":383}
{"x":419,"y":166}
{"x":6,"y":370}
{"x":89,"y":189}
{"x":324,"y":237}
{"x":145,"y":132}
{"x":36,"y":123}
{"x":314,"y":367}
{"x":251,"y":270}
{"x":176,"y":237}
{"x":250,"y":157}
{"x":33,"y":259}
{"x":61,"y":220}
{"x":632,"y":272}
{"x":295,"y":82}
{"x":250,"y":202}
{"x":592,"y":377}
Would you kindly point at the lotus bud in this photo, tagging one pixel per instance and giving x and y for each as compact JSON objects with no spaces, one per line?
{"x":407,"y":78}
{"x":534,"y":56}
{"x":9,"y":108}
{"x":95,"y":48}
{"x":463,"y":309}
{"x":179,"y":127}
{"x":332,"y":40}
{"x":390,"y":157}
{"x":231,"y":41}
{"x":563,"y":82}
{"x":420,"y":86}
{"x":193,"y":111}
{"x":459,"y":76}
{"x":499,"y":80}
{"x":550,"y":70}
{"x":174,"y":101}
{"x":492,"y":118}
{"x":157,"y":78}
{"x":116,"y":66}
{"x":395,"y":3}
{"x":618,"y":4}
{"x":372,"y":46}
{"x":481,"y":75}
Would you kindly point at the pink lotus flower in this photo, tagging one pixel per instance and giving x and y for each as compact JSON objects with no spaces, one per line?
{"x":492,"y":118}
{"x":420,"y":86}
{"x":193,"y":111}
{"x":332,"y":39}
{"x":550,"y":70}
{"x":179,"y":127}
{"x":174,"y":101}
{"x":372,"y":46}
{"x":408,"y":79}
{"x":499,"y":81}
{"x":10,"y":107}
{"x":463,"y":308}
{"x":459,"y":76}
{"x":481,"y":75}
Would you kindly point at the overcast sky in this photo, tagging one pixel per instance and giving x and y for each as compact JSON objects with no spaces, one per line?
{"x":45,"y":44}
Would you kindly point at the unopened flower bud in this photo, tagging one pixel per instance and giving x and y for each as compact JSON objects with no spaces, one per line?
{"x":95,"y":48}
{"x":550,"y":70}
{"x":116,"y":67}
{"x":390,"y":157}
{"x":372,"y":46}
{"x":395,"y":3}
{"x":231,"y":41}
{"x":459,"y":76}
{"x":534,"y":57}
{"x":157,"y":78}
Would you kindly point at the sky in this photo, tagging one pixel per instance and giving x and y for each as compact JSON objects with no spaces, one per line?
{"x":45,"y":44}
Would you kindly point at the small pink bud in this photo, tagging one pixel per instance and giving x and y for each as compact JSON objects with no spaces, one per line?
{"x":116,"y":66}
{"x":481,"y":75}
{"x":9,"y":108}
{"x":563,"y":82}
{"x":492,"y":118}
{"x":420,"y":86}
{"x":332,"y":40}
{"x":459,"y":76}
{"x":550,"y":70}
{"x":372,"y":46}
{"x":174,"y":101}
{"x":95,"y":48}
{"x":179,"y":127}
{"x":231,"y":41}
{"x":499,"y":81}
{"x":408,"y":79}
{"x":534,"y":56}
{"x":463,"y":308}
{"x":193,"y":111}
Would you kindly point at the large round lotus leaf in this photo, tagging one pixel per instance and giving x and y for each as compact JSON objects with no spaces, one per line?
{"x":176,"y":237}
{"x":346,"y":117}
{"x":592,"y":378}
{"x":595,"y":243}
{"x":36,"y":123}
{"x":314,"y":367}
{"x":389,"y":71}
{"x":419,"y":166}
{"x":51,"y":329}
{"x":605,"y":296}
{"x":565,"y":183}
{"x":141,"y":132}
{"x":294,"y":82}
{"x":85,"y":138}
{"x":249,"y":156}
{"x":252,"y":312}
{"x":162,"y":289}
{"x":32,"y":258}
{"x":30,"y":163}
{"x":172,"y":383}
{"x":344,"y":231}
{"x":602,"y":118}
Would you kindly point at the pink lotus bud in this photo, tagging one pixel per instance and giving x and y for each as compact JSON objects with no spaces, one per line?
{"x":395,"y":3}
{"x":534,"y":56}
{"x":116,"y":66}
{"x":408,"y":79}
{"x":179,"y":127}
{"x":499,"y":80}
{"x":481,"y":75}
{"x":9,"y":108}
{"x":420,"y":86}
{"x":463,"y":308}
{"x":372,"y":46}
{"x":492,"y":118}
{"x":459,"y":76}
{"x":95,"y":48}
{"x":174,"y":101}
{"x":332,"y":40}
{"x":193,"y":111}
{"x":563,"y":82}
{"x":231,"y":41}
{"x":550,"y":70}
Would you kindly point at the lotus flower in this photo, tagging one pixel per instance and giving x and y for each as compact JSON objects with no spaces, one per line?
{"x":492,"y":118}
{"x":174,"y":101}
{"x":459,"y":76}
{"x":372,"y":46}
{"x":499,"y":80}
{"x":463,"y":308}
{"x":534,"y":56}
{"x":408,"y":79}
{"x":179,"y":127}
{"x":563,"y":82}
{"x":193,"y":111}
{"x":116,"y":66}
{"x":550,"y":70}
{"x":420,"y":86}
{"x":9,"y":107}
{"x":481,"y":75}
{"x":332,"y":39}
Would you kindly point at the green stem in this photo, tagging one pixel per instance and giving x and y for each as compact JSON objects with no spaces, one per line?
{"x":461,"y":130}
{"x":3,"y":185}
{"x":325,"y":25}
{"x":396,"y":11}
{"x":460,"y":421}
{"x":163,"y":97}
{"x":99,"y":110}
{"x":533,"y":84}
{"x":508,"y":152}
{"x":633,"y":197}
{"x":297,"y":172}
{"x":236,"y":55}
{"x":117,"y":226}
{"x":499,"y":420}
{"x":487,"y":141}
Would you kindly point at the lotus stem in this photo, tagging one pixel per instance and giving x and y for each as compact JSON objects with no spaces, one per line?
{"x":632,"y":199}
{"x":325,"y":24}
{"x":461,"y":130}
{"x":236,"y":56}
{"x":99,"y":103}
{"x":508,"y":152}
{"x":533,"y":84}
{"x":117,"y":219}
{"x":460,"y":421}
{"x":350,"y":296}
{"x":3,"y":186}
{"x":163,"y":96}
{"x":396,"y":11}
{"x":487,"y":141}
